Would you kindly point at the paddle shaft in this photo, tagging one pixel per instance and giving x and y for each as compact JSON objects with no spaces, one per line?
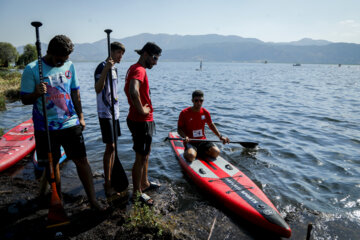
{"x":109,"y":78}
{"x":56,"y":210}
{"x":38,"y":49}
{"x":244,"y":144}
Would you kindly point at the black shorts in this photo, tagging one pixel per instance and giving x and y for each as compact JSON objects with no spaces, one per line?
{"x":142,"y":133}
{"x":107,"y":133}
{"x":71,"y":139}
{"x":200,"y":147}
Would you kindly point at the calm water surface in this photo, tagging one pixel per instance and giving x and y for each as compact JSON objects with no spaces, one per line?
{"x":306,"y":120}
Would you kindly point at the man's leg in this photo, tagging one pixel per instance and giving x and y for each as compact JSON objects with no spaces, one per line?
{"x":144,"y":183}
{"x":190,"y":154}
{"x":84,"y":171}
{"x":108,"y":163}
{"x":137,"y":171}
{"x":213,"y":152}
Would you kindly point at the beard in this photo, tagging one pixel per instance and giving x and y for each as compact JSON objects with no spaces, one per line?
{"x":148,"y":64}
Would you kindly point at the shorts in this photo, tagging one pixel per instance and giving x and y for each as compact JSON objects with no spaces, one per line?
{"x":107,"y":132}
{"x":71,"y":139}
{"x":200,"y":147}
{"x":142,"y":133}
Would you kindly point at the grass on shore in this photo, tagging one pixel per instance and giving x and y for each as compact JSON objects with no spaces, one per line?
{"x":9,"y":86}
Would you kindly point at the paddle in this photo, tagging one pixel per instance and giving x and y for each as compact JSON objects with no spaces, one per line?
{"x":244,"y":144}
{"x":56,"y":215}
{"x":119,"y":180}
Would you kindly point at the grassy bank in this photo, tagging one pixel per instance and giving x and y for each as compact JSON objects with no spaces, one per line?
{"x":9,"y":86}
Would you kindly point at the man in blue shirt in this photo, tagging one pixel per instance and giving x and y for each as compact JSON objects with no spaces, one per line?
{"x":102,"y":88}
{"x":64,"y":111}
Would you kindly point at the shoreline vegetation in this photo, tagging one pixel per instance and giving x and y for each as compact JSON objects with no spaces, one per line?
{"x":10,"y":80}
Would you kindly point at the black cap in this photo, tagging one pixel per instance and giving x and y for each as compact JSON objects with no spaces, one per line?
{"x":151,"y":48}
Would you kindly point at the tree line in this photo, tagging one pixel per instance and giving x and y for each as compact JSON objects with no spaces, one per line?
{"x":9,"y":54}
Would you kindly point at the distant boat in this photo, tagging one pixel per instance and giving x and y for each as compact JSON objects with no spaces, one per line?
{"x":265,"y":62}
{"x":296,"y":64}
{"x":339,"y":64}
{"x":200,"y":69}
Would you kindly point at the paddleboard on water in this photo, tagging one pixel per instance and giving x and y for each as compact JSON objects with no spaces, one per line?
{"x":16,"y":144}
{"x":40,"y":168}
{"x":233,"y":188}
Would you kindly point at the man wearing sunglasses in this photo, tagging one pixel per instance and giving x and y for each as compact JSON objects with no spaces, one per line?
{"x":140,"y":118}
{"x":191,"y":124}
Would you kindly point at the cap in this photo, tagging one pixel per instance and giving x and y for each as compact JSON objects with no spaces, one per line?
{"x":151,"y":48}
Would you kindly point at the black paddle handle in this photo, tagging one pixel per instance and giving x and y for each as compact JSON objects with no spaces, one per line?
{"x":244,"y":144}
{"x":112,"y":105}
{"x":37,"y":25}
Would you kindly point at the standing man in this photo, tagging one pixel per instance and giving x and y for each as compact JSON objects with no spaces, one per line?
{"x":102,"y":88}
{"x":64,"y":111}
{"x":140,"y":118}
{"x":191,"y":124}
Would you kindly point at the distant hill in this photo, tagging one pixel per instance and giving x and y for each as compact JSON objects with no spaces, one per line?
{"x":213,"y":47}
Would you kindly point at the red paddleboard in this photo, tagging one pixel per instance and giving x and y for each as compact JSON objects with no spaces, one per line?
{"x":16,"y":144}
{"x":233,"y":188}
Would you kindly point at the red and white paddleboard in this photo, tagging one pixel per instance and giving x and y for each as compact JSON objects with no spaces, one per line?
{"x":16,"y":144}
{"x":232,"y":188}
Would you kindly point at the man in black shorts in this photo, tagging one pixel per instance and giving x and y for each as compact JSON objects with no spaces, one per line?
{"x":191,"y":124}
{"x":64,"y":111}
{"x":102,"y":88}
{"x":140,"y":118}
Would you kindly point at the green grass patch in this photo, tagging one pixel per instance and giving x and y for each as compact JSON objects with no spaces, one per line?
{"x":144,"y":221}
{"x":9,"y":86}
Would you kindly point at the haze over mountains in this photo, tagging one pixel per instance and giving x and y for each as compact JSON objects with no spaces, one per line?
{"x":214,"y":47}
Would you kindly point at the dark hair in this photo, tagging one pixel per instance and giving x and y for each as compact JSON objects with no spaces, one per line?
{"x":197,"y":93}
{"x":60,"y":45}
{"x":117,"y":46}
{"x":151,"y":48}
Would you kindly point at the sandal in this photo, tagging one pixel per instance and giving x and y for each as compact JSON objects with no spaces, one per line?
{"x":146,"y":199}
{"x":153,"y":185}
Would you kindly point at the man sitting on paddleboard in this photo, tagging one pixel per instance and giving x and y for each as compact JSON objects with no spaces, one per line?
{"x":191,"y":124}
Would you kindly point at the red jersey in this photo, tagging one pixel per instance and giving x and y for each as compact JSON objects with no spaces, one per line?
{"x":193,"y":123}
{"x":138,"y":72}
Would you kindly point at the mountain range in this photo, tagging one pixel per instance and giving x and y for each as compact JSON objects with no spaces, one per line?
{"x":213,"y":47}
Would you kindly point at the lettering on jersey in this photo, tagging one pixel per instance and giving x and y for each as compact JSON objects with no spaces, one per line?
{"x":68,"y":74}
{"x":57,"y":80}
{"x":203,"y":117}
{"x":197,"y":133}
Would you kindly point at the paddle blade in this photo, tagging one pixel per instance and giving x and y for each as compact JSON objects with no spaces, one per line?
{"x":248,"y":144}
{"x":119,"y":180}
{"x":56,"y":216}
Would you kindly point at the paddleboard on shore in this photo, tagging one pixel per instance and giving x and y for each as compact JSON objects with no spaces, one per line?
{"x":232,"y":188}
{"x":16,"y":144}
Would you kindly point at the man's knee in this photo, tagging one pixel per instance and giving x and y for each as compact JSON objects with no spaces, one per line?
{"x":214,"y":152}
{"x":110,"y":147}
{"x":80,"y":161}
{"x":190,"y":154}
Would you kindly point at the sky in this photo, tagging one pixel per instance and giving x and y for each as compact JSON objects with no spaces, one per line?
{"x":84,"y":21}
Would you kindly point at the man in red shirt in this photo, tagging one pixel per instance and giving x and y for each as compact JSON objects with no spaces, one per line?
{"x":140,"y":118}
{"x":191,"y":124}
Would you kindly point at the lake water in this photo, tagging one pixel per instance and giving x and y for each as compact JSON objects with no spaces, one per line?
{"x":305,"y":119}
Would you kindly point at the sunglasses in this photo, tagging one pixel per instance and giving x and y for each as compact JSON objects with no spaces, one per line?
{"x":198,"y":100}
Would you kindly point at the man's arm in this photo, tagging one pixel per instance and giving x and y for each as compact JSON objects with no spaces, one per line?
{"x":182,"y":134}
{"x":27,"y":99}
{"x":134,"y":94}
{"x":75,"y":97}
{"x":99,"y":85}
{"x":217,"y":133}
